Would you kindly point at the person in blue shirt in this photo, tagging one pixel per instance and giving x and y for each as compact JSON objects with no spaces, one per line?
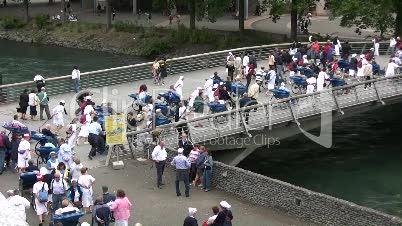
{"x":97,"y":142}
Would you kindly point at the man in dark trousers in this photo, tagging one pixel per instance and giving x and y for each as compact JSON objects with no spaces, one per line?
{"x":182,"y":165}
{"x":159,"y":156}
{"x":245,"y":101}
{"x":4,"y":146}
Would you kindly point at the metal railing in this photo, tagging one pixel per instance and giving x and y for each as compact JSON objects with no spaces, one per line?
{"x":272,"y":113}
{"x":57,"y":85}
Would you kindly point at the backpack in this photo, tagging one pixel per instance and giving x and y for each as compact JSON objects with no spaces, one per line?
{"x":43,"y":195}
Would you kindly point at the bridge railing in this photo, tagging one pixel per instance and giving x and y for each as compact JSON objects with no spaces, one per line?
{"x":94,"y":79}
{"x":273,"y":113}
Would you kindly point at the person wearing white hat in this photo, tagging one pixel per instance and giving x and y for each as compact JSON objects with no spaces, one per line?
{"x":24,"y":154}
{"x":40,"y":190}
{"x":225,"y":216}
{"x":193,"y":95}
{"x":178,"y":86}
{"x":21,"y":204}
{"x":58,"y":119}
{"x":209,"y":83}
{"x":190,"y":219}
{"x":65,"y":153}
{"x":353,"y":65}
{"x":360,"y":68}
{"x":182,"y":165}
{"x":52,"y":163}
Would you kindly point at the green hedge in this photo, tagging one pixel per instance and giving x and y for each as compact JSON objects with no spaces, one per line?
{"x":10,"y":22}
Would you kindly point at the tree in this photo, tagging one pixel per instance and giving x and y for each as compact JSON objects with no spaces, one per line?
{"x":241,"y":16}
{"x":26,"y":4}
{"x":382,"y":15}
{"x":199,"y":9}
{"x":298,"y":8}
{"x":108,"y":14}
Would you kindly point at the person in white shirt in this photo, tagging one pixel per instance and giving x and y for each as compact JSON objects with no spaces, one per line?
{"x":392,"y":44}
{"x":40,"y":82}
{"x":97,"y":142}
{"x":24,"y":154}
{"x":21,"y":204}
{"x":33,"y":102}
{"x":41,"y":207}
{"x":311,"y":84}
{"x":58,"y":119}
{"x":159,"y":156}
{"x":237,"y":73}
{"x":75,"y":169}
{"x":179,"y":87}
{"x":246,"y":60}
{"x":272,"y":78}
{"x":76,"y":76}
{"x":321,"y":79}
{"x":86,"y":181}
{"x":59,"y":187}
{"x":376,"y":47}
{"x":391,"y":68}
{"x":208,"y":86}
{"x":65,"y":154}
{"x":211,"y":220}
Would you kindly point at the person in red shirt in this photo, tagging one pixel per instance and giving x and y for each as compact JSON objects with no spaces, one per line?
{"x":327,"y":47}
{"x":316,"y":47}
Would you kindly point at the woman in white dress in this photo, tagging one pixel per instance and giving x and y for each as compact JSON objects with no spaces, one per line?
{"x":194,"y":94}
{"x":41,"y":207}
{"x":321,"y":79}
{"x":58,"y":119}
{"x":71,"y":134}
{"x":179,"y":87}
{"x":84,"y":133}
{"x":337,"y":45}
{"x":86,"y":181}
{"x":376,"y":47}
{"x":360,"y":68}
{"x":24,"y":154}
{"x":311,"y":82}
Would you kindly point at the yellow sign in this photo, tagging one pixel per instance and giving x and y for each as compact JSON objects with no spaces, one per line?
{"x":115,"y":129}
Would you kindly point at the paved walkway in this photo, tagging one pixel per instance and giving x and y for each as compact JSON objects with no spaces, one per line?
{"x":320,"y":24}
{"x":161,"y":207}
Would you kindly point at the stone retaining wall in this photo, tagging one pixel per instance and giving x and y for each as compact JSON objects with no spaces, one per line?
{"x":296,"y":201}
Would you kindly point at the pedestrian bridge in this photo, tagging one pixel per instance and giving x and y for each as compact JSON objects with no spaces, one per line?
{"x":227,"y":133}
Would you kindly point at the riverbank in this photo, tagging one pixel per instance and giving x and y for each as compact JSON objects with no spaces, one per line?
{"x":129,"y":38}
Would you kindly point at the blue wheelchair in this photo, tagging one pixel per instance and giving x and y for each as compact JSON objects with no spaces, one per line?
{"x":299,"y":84}
{"x":68,"y":219}
{"x":337,"y":82}
{"x":170,"y":98}
{"x":217,"y":108}
{"x":162,"y":121}
{"x":279,"y":94}
{"x":43,"y":153}
{"x":238,"y":89}
{"x":12,"y":128}
{"x":135,"y":105}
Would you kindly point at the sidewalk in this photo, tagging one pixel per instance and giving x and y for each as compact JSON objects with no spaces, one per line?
{"x":320,"y":24}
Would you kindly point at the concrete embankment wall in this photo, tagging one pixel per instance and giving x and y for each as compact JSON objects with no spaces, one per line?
{"x":296,"y":201}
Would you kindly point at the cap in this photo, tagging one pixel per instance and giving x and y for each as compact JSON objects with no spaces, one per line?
{"x":26,"y":135}
{"x":225,"y":204}
{"x":181,"y":77}
{"x":199,"y":88}
{"x":215,"y":85}
{"x":212,"y":76}
{"x":52,"y":152}
{"x":62,"y":101}
{"x":221,"y":83}
{"x":354,"y":55}
{"x":85,"y":224}
{"x":180,"y":150}
{"x":43,"y":88}
{"x":39,"y":177}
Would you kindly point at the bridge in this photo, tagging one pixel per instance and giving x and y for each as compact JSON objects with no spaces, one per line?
{"x":225,"y":133}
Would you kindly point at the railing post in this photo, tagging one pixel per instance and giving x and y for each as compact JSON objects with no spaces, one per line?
{"x":356,"y":96}
{"x":292,"y":114}
{"x":244,"y":125}
{"x":269,"y":115}
{"x":378,"y":95}
{"x":337,"y":104}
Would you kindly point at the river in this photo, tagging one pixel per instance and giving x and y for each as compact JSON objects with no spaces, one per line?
{"x":22,"y":61}
{"x":363,"y":166}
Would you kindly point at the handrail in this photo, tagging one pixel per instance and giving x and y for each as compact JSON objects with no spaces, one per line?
{"x":285,"y":100}
{"x":283,"y":45}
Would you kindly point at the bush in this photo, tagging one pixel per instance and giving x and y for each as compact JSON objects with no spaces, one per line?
{"x":9,"y":22}
{"x":41,"y":20}
{"x":127,"y":26}
{"x":154,"y":47}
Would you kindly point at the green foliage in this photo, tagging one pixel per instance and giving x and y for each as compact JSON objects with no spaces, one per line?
{"x":211,"y":9}
{"x":127,"y":26}
{"x":10,"y":22}
{"x":155,"y":47}
{"x":377,"y":14}
{"x":41,"y":21}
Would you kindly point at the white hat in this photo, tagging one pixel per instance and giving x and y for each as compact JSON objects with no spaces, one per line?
{"x":181,"y":77}
{"x":305,"y":56}
{"x":88,"y":98}
{"x":192,"y":211}
{"x":212,"y":76}
{"x":158,"y":110}
{"x":354,"y":55}
{"x":43,"y":88}
{"x":26,"y":135}
{"x":85,"y":224}
{"x":62,"y":101}
{"x":230,"y":53}
{"x":215,"y":85}
{"x":199,"y":88}
{"x":282,"y":84}
{"x":104,"y":101}
{"x":362,"y":56}
{"x":180,"y":150}
{"x":225,"y":204}
{"x":221,"y":83}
